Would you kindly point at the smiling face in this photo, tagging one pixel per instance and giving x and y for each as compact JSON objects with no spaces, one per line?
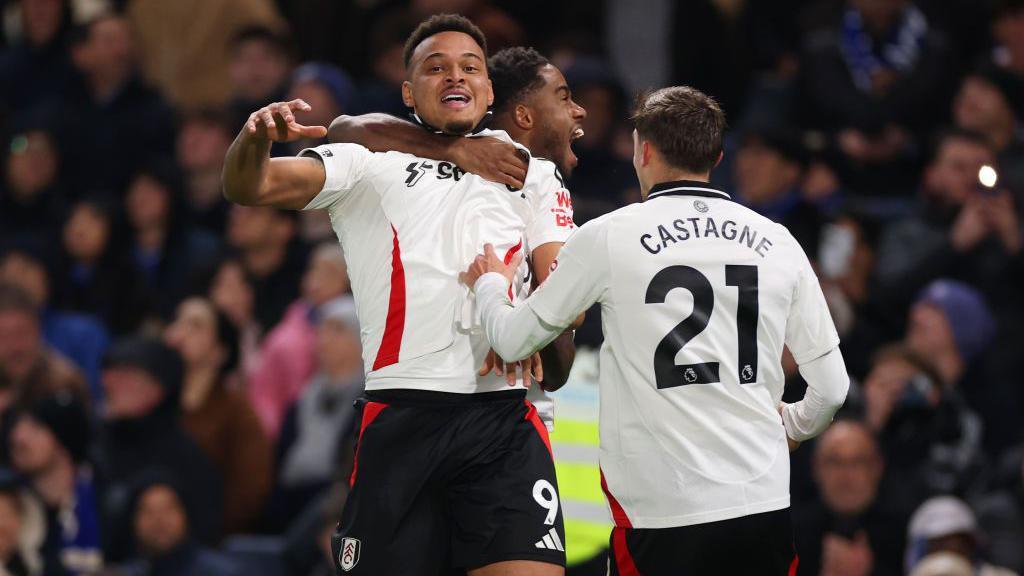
{"x":448,"y":86}
{"x":558,"y":119}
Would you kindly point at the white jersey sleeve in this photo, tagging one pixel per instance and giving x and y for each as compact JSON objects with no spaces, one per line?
{"x":345,"y":165}
{"x":579,"y":279}
{"x":550,"y":205}
{"x":810,"y":332}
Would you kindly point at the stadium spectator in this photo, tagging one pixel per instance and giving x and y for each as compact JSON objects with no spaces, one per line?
{"x":22,"y":529}
{"x":1000,"y":511}
{"x":232,"y":292}
{"x":288,"y":354}
{"x":328,"y":90}
{"x":853,"y":526}
{"x":946,"y":524}
{"x":82,"y":338}
{"x":767,"y":171}
{"x":847,"y":253}
{"x":259,"y":70}
{"x":930,"y":440}
{"x":163,"y":532}
{"x":991,"y":103}
{"x":94,"y":274}
{"x":31,"y":193}
{"x":49,"y":445}
{"x":203,"y":140}
{"x":109,"y":107}
{"x":952,"y":325}
{"x":31,"y":369}
{"x":218,"y":416}
{"x":165,"y":251}
{"x":875,"y":78}
{"x":313,"y":449}
{"x":35,"y":69}
{"x":190,"y":63}
{"x":142,"y":380}
{"x":1008,"y":30}
{"x":381,"y":92}
{"x":957,"y":231}
{"x":273,"y":257}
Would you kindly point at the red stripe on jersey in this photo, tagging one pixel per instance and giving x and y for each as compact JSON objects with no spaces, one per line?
{"x":618,"y":514}
{"x":534,"y":418}
{"x":508,"y":258}
{"x":623,"y":559}
{"x":370,"y":413}
{"x":391,"y":344}
{"x":794,"y":565}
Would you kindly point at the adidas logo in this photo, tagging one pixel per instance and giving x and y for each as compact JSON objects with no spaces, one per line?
{"x":550,"y":541}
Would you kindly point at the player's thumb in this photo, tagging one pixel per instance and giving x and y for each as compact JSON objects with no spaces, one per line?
{"x":489,"y":251}
{"x":516,"y":261}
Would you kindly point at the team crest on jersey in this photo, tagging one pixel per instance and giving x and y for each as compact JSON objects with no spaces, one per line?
{"x":701,"y":206}
{"x":747,"y":373}
{"x":690,"y":375}
{"x":348,"y":556}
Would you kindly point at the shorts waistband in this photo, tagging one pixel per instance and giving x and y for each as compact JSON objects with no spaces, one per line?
{"x":398,"y":396}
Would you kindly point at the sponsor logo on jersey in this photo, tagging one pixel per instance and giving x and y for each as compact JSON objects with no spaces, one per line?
{"x":348,"y":556}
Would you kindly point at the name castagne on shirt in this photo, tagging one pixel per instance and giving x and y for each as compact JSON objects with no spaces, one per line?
{"x":703,"y":227}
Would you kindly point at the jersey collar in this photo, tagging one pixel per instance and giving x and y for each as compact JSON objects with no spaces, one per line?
{"x":478,"y":128}
{"x":686,"y":188}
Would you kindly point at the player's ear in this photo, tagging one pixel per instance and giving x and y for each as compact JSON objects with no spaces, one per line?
{"x":490,"y":93}
{"x":721,"y":155}
{"x":645,"y":153}
{"x":523,"y":117}
{"x":407,"y":94}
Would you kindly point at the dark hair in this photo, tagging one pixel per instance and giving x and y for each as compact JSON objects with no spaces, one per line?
{"x":278,"y":41}
{"x":14,"y":299}
{"x":954,"y":133}
{"x":227,"y":336}
{"x":515,"y":73}
{"x":684,"y":124}
{"x":442,"y":23}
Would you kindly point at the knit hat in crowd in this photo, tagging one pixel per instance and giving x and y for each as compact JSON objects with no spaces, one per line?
{"x":337,"y":83}
{"x":151,"y":356}
{"x":67,"y":419}
{"x":969,"y":317}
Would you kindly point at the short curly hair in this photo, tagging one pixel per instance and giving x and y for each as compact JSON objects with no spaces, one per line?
{"x":442,"y":23}
{"x":515,"y":73}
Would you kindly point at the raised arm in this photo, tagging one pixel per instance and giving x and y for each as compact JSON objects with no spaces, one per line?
{"x":488,"y":158}
{"x":252,"y":178}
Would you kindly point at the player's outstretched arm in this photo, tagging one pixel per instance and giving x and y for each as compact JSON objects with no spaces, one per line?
{"x":252,"y":178}
{"x":488,"y":158}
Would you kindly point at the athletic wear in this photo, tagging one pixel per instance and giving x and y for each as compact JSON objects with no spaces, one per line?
{"x":449,"y":481}
{"x":760,"y":544}
{"x":408,"y":226}
{"x":698,"y":297}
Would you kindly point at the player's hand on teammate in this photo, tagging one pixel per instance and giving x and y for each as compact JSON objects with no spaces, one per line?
{"x":276,"y":122}
{"x":491,"y":159}
{"x":489,"y":262}
{"x":531,"y":369}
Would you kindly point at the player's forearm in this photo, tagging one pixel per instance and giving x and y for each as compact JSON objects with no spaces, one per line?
{"x":245,"y":167}
{"x":516,"y":332}
{"x":827,"y":384}
{"x":383,"y":132}
{"x":558,"y":357}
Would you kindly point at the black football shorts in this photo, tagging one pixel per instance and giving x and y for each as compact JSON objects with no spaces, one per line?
{"x":759,"y":544}
{"x":443,"y":483}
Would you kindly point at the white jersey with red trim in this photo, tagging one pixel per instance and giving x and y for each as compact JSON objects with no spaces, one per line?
{"x":408,"y":226}
{"x":698,"y":296}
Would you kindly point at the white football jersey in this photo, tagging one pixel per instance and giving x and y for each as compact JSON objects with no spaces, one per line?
{"x":408,"y":227}
{"x":698,"y":297}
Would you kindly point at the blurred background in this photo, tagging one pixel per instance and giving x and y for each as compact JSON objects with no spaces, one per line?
{"x":177,"y":374}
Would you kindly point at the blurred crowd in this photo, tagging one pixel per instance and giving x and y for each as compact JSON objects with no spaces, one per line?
{"x":177,"y":374}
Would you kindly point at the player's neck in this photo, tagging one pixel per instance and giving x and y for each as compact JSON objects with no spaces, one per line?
{"x":654,"y":174}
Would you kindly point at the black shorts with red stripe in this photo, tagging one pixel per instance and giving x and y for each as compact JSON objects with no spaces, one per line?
{"x":444,"y":483}
{"x":760,"y":544}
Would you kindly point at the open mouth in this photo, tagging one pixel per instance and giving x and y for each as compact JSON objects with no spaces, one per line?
{"x":455,"y":99}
